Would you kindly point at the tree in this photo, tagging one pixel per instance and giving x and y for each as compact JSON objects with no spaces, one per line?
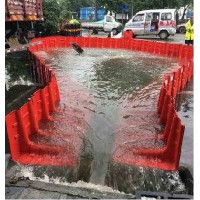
{"x":65,"y":10}
{"x":51,"y":12}
{"x":138,"y":5}
{"x":110,"y":5}
{"x":186,"y":4}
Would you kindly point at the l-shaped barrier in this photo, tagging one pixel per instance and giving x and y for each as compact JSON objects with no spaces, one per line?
{"x":23,"y":123}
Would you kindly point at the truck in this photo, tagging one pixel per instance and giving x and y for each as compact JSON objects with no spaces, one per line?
{"x":19,"y":18}
{"x":108,"y":24}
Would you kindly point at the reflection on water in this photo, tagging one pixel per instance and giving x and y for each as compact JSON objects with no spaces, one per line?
{"x":108,"y":74}
{"x":17,"y":69}
{"x":108,"y":97}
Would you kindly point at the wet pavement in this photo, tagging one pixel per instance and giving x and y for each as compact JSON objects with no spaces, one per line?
{"x":107,"y":93}
{"x":177,"y":38}
{"x":184,"y":106}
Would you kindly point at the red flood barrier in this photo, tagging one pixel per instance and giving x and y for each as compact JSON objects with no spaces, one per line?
{"x":166,"y":158}
{"x":23,"y":124}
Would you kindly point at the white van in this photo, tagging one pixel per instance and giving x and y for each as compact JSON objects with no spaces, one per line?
{"x":160,"y":22}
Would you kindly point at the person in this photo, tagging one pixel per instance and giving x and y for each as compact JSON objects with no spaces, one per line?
{"x":155,"y":21}
{"x":189,"y":35}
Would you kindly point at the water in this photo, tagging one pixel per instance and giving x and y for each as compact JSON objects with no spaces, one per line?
{"x":17,"y":69}
{"x":108,"y":98}
{"x":19,"y":85}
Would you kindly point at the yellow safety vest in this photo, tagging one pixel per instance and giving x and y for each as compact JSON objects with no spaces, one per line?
{"x":189,"y":35}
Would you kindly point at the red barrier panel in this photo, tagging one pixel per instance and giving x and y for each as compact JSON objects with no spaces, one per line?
{"x":24,"y":123}
{"x":128,"y":35}
{"x":171,"y":153}
{"x":167,"y":100}
{"x":61,"y":42}
{"x":191,"y":67}
{"x":159,"y":48}
{"x":186,"y":52}
{"x":161,"y":98}
{"x":92,"y":42}
{"x":146,"y":46}
{"x":151,"y":47}
{"x":52,"y":43}
{"x":113,"y":43}
{"x":172,"y":50}
{"x":14,"y":135}
{"x":21,"y":125}
{"x":166,"y":158}
{"x":118,"y":43}
{"x":184,"y":76}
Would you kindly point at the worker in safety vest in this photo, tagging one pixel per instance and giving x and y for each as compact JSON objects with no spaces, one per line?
{"x":189,"y":35}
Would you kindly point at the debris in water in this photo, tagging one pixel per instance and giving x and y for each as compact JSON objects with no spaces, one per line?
{"x":126,"y":116}
{"x":77,"y":48}
{"x":89,"y":109}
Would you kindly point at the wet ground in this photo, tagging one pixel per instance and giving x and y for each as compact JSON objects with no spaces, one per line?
{"x":185,"y":108}
{"x":177,"y":38}
{"x":109,"y":93}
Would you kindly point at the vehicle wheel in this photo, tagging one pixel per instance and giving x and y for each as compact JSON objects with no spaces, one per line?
{"x":181,"y":30}
{"x":91,"y":30}
{"x":163,"y":35}
{"x":95,"y":31}
{"x":115,"y":31}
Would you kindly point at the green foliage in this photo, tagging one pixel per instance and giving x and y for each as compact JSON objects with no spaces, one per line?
{"x":144,"y":4}
{"x":57,"y":11}
{"x":74,"y":5}
{"x":51,"y":12}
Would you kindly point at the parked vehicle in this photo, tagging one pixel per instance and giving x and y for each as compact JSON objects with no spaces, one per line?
{"x":107,"y":24}
{"x":161,"y":22}
{"x":181,"y":28}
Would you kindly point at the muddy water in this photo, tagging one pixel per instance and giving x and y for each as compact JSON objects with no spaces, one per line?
{"x":110,"y":95}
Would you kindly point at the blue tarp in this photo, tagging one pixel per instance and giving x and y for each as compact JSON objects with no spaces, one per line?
{"x":189,"y":14}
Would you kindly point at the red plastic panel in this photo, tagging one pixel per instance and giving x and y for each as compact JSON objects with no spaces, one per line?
{"x":160,"y":48}
{"x":62,"y":42}
{"x":37,"y":105}
{"x":13,"y":132}
{"x":163,"y":116}
{"x":166,"y":158}
{"x":118,"y":43}
{"x":113,"y":43}
{"x":23,"y":123}
{"x":128,"y":35}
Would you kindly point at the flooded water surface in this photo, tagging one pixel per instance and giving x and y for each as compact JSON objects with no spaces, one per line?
{"x":108,"y":103}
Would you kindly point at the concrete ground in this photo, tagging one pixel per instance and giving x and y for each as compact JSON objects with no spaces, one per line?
{"x":19,"y":187}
